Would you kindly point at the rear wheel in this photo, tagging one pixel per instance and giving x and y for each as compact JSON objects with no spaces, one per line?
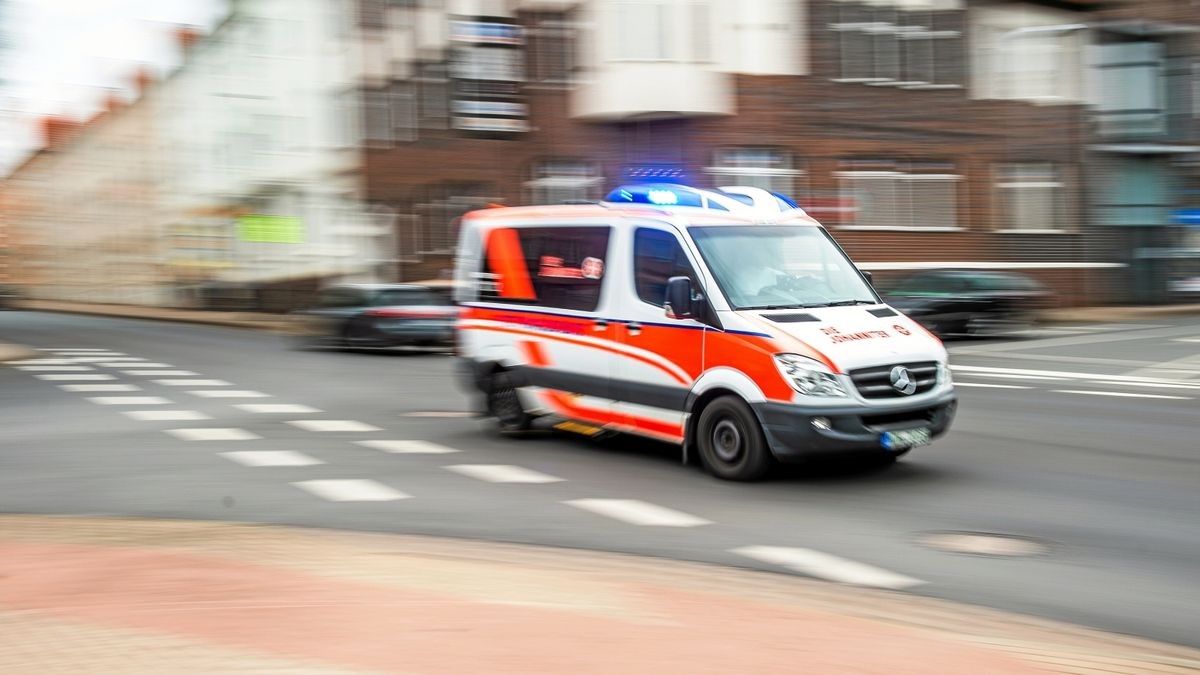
{"x":731,"y":441}
{"x":504,"y":403}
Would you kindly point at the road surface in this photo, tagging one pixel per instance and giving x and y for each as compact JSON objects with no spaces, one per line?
{"x":1080,"y":442}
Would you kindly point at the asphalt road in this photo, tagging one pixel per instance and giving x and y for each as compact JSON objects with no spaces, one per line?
{"x":1082,"y":439}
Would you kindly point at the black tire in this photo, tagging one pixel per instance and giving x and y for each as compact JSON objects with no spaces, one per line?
{"x":504,"y":403}
{"x":731,"y":441}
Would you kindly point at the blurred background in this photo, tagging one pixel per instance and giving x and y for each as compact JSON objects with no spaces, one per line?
{"x":238,"y":154}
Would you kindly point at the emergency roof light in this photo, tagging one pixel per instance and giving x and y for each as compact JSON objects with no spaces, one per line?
{"x":739,"y":199}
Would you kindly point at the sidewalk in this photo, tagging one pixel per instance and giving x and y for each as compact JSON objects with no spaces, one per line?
{"x":142,"y":596}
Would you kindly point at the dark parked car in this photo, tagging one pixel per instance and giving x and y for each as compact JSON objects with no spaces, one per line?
{"x":969,"y":302}
{"x":377,"y":315}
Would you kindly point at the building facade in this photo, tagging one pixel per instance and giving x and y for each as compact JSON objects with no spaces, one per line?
{"x":1054,"y":138}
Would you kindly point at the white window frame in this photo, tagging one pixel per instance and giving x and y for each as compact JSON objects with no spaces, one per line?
{"x":903,"y":32}
{"x":1004,"y":222}
{"x":906,"y":209}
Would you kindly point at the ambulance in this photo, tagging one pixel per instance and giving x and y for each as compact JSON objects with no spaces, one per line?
{"x":727,"y":321}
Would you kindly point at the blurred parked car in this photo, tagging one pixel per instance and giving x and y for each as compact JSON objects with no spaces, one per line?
{"x":9,"y":296}
{"x":969,"y":302}
{"x":377,"y":315}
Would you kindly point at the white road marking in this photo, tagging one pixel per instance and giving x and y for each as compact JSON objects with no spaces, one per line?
{"x":1123,"y":394}
{"x":502,"y":473}
{"x":166,"y":415}
{"x":826,"y":566}
{"x":104,"y":359}
{"x":75,"y":349}
{"x":42,"y":362}
{"x":99,"y":387}
{"x":55,"y":369}
{"x":129,"y":400}
{"x":211,"y":434}
{"x":978,"y":370}
{"x":270,"y":458}
{"x":1151,"y":385}
{"x":78,"y":378}
{"x":160,"y":373}
{"x":637,"y":512}
{"x":135,"y":364}
{"x":983,"y":385}
{"x":439,"y":413}
{"x":228,"y":393}
{"x":193,"y":383}
{"x":275,"y":408}
{"x":352,"y":490}
{"x":1191,"y":340}
{"x":1009,"y":376}
{"x":408,"y":447}
{"x":333,"y":425}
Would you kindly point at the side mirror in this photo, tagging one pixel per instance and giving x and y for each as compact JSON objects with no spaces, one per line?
{"x":870,"y":277}
{"x":679,"y":298}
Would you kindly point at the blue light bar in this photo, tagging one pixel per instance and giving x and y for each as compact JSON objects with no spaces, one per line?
{"x":657,"y":194}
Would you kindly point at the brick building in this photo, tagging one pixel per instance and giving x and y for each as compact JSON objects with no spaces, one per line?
{"x":1055,"y":138}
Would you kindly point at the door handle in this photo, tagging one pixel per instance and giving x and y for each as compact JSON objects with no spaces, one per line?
{"x":635,"y":328}
{"x":599,"y":325}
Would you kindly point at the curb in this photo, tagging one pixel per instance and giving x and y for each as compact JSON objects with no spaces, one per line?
{"x":253,"y":321}
{"x":1116,"y":314}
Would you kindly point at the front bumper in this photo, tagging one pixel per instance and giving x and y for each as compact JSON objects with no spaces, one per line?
{"x":853,"y":428}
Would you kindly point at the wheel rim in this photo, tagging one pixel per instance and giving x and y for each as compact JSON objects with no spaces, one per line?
{"x":728,"y":441}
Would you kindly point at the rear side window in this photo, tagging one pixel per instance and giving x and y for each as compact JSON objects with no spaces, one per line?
{"x":559,"y":267}
{"x":658,"y":256}
{"x":406,"y":296}
{"x":342,"y":297}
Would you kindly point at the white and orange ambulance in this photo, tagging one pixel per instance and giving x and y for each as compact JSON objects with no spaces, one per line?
{"x":727,"y":321}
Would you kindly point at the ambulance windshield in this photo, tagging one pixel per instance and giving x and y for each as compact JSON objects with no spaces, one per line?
{"x":780,"y":267}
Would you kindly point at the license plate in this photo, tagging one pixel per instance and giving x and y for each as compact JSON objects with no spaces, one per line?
{"x":906,"y":438}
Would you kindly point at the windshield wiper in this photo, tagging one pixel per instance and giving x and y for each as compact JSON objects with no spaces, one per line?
{"x":766,"y":307}
{"x":846,"y":303}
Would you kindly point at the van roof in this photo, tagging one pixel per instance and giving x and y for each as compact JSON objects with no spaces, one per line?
{"x":679,"y":215}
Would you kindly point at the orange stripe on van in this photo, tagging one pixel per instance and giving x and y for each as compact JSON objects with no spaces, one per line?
{"x":508,"y":260}
{"x":564,"y":405}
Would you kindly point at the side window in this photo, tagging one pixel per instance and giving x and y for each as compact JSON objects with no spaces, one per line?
{"x":559,"y":267}
{"x":341,"y":297}
{"x":658,"y":256}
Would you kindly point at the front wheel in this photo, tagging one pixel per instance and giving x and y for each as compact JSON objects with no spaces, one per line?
{"x":504,"y":403}
{"x":731,"y":441}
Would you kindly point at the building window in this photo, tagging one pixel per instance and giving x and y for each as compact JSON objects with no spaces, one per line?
{"x":440,"y":212}
{"x":1132,"y":89}
{"x":404,"y":121}
{"x":1031,"y":197}
{"x":767,"y":168}
{"x":904,"y":43}
{"x":434,"y":89}
{"x":559,"y":181}
{"x":377,"y":118}
{"x":551,"y":48}
{"x":658,"y":256}
{"x":886,"y":194}
{"x":560,"y":267}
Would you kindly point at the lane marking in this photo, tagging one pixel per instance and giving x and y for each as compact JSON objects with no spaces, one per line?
{"x":134,"y":364}
{"x":351,"y":490}
{"x":228,"y":393}
{"x":636,"y":512}
{"x":984,"y":385}
{"x":213,"y":434}
{"x":75,"y":349}
{"x":258,"y":458}
{"x":51,"y":369}
{"x":43,"y":362}
{"x":440,"y":413}
{"x":160,"y":373}
{"x":408,"y":447}
{"x":1152,"y":385}
{"x":1122,"y":394}
{"x":502,"y":473}
{"x":80,"y":377}
{"x":976,"y":370}
{"x":266,"y":408}
{"x":333,"y":425}
{"x":129,"y":400}
{"x":193,"y":383}
{"x":166,"y":415}
{"x":104,"y":359}
{"x":99,"y":387}
{"x":1189,"y":340}
{"x":1009,"y":376}
{"x":826,"y":566}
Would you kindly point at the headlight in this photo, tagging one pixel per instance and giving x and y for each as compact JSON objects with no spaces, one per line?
{"x":947,"y":378}
{"x":809,"y":377}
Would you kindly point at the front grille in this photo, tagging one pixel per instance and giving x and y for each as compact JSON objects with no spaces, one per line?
{"x":903,"y":419}
{"x":876,"y":382}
